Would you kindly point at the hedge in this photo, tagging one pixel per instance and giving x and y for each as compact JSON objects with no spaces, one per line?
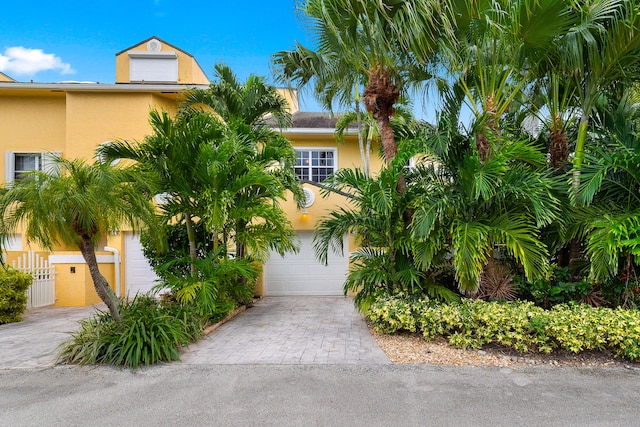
{"x":516,"y":324}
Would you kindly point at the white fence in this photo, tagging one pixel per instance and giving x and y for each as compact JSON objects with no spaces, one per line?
{"x":43,"y":289}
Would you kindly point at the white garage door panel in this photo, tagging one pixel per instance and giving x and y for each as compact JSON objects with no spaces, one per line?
{"x":302,"y":274}
{"x":139,"y":275}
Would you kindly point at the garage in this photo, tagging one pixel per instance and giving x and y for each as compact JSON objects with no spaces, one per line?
{"x":302,"y":274}
{"x":139,"y":276}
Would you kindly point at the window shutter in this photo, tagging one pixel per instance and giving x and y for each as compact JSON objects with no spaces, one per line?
{"x":9,"y":167}
{"x":49,"y":164}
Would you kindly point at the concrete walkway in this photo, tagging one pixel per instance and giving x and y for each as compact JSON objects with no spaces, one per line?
{"x":283,"y":330}
{"x":291,"y":330}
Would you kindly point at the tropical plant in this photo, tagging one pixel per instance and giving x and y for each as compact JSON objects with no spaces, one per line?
{"x":248,"y":179}
{"x":470,"y":204}
{"x":600,"y":53}
{"x":175,"y":156}
{"x":608,"y":191}
{"x":374,"y":44}
{"x":498,"y":50}
{"x":496,"y":283}
{"x":218,"y":286}
{"x":251,"y":166}
{"x":403,"y":123}
{"x":385,"y":261}
{"x":76,"y":205}
{"x":252,"y":103}
{"x":515,"y":324}
{"x":174,"y":259}
{"x":147,"y":334}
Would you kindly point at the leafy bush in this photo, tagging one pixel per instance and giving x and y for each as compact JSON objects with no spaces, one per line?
{"x":393,"y":313}
{"x":559,"y":288}
{"x":147,"y":334}
{"x":623,"y":291}
{"x":522,"y":326}
{"x":218,"y":286}
{"x":175,"y":260}
{"x":13,"y":300}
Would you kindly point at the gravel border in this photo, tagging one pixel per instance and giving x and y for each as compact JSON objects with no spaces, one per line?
{"x":414,"y":349}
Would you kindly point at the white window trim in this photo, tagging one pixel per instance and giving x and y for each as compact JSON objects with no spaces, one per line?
{"x":47,"y":164}
{"x":332,"y":149}
{"x":101,"y":159}
{"x":153,"y":67}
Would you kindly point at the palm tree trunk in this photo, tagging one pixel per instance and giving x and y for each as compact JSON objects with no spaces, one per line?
{"x":387,"y":139}
{"x":379,"y":97}
{"x":191,"y":236}
{"x":101,"y":285}
{"x":559,"y":149}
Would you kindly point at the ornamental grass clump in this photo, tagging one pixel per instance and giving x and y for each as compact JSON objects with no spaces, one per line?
{"x":147,"y":334}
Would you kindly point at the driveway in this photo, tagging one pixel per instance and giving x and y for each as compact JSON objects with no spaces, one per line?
{"x":278,"y":330}
{"x":291,"y":330}
{"x":33,"y":342}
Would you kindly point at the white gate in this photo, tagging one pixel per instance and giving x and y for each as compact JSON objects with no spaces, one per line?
{"x":43,"y":289}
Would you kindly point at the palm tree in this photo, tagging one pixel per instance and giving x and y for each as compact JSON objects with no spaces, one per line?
{"x":385,"y":260}
{"x":175,"y":154}
{"x":498,"y":51}
{"x":75,"y":206}
{"x":601,"y":52}
{"x":252,"y":102}
{"x":403,"y":125}
{"x":467,"y":205}
{"x":608,"y":191}
{"x":244,"y":189}
{"x":365,"y":43}
{"x":248,"y":173}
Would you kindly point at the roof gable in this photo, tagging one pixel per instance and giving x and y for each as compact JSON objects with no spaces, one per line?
{"x":149,"y":39}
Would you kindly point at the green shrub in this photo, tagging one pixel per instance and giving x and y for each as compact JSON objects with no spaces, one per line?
{"x":174,"y":260}
{"x":217,"y":287}
{"x":392,"y":313}
{"x":147,"y":334}
{"x":13,"y":298}
{"x":519,"y":325}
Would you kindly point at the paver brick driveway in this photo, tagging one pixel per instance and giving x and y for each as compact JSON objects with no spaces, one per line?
{"x":291,"y":330}
{"x":277,"y":330}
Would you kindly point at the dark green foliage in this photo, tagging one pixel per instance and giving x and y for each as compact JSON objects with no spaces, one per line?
{"x":148,"y":333}
{"x":173,"y":260}
{"x":217,"y":287}
{"x":558,"y":288}
{"x":622,"y":291}
{"x":13,"y":300}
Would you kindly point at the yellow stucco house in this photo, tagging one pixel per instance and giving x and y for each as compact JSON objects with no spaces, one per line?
{"x":74,"y":118}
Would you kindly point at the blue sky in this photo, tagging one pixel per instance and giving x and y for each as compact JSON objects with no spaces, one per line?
{"x":71,"y":40}
{"x":57,"y":40}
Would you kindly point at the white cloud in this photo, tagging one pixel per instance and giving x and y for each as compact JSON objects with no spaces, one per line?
{"x":18,"y":60}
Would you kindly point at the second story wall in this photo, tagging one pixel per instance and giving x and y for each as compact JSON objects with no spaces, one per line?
{"x":95,"y":118}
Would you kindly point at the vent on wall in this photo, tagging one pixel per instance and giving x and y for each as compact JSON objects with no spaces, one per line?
{"x":154,"y":45}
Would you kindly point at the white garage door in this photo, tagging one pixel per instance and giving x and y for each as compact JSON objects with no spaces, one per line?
{"x":302,"y":274}
{"x":139,"y":277}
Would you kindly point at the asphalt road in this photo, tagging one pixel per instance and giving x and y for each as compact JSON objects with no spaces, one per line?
{"x":312,"y":395}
